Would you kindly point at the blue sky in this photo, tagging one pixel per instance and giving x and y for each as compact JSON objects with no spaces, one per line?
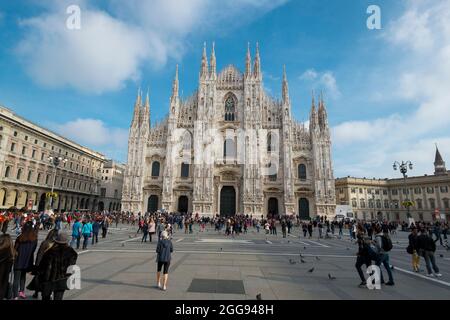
{"x":386,"y":90}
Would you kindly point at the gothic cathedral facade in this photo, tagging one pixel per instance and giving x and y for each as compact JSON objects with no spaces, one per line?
{"x":229,"y":149}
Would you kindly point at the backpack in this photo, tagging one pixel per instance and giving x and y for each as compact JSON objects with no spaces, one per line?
{"x":387,"y":243}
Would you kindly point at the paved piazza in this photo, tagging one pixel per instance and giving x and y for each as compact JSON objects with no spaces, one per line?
{"x":121,"y":267}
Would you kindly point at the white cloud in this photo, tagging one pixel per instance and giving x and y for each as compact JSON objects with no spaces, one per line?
{"x":113,"y":44}
{"x":322,"y":80}
{"x":95,"y":134}
{"x":421,"y":37}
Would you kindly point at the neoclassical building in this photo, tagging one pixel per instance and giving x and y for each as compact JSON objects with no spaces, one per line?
{"x":383,"y":198}
{"x":26,"y":174}
{"x":230,"y":148}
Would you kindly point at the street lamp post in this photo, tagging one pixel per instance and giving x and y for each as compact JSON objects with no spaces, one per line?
{"x":404,"y":170}
{"x":55,"y":161}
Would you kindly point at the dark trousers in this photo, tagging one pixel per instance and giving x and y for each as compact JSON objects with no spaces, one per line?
{"x":19,"y":282}
{"x":85,"y":241}
{"x":94,"y":237}
{"x":57,"y":295}
{"x":5,"y":271}
{"x":104,"y":232}
{"x":144,"y":237}
{"x":360,"y":261}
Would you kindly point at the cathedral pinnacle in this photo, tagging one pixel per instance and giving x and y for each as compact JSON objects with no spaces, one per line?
{"x":257,"y":64}
{"x":213,"y":60}
{"x":204,"y":68}
{"x":248,"y":61}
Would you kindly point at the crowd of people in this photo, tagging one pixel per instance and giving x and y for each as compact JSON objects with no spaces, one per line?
{"x":67,"y":232}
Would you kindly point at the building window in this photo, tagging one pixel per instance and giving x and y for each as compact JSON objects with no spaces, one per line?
{"x":446,"y":203}
{"x":430,"y":190}
{"x":362,"y":203}
{"x":61,"y":182}
{"x":354,"y":203}
{"x":394,"y":192}
{"x":15,"y":133}
{"x":184,"y":170}
{"x":432,"y":203}
{"x":230,"y":109}
{"x":444,"y":189}
{"x":103,"y":192}
{"x":33,"y":154}
{"x":378,"y":203}
{"x":421,"y":216}
{"x":19,"y":174}
{"x":302,"y":172}
{"x":13,"y":146}
{"x":385,"y":192}
{"x":405,"y":191}
{"x":29,"y":175}
{"x":396,"y":204}
{"x":377,"y":191}
{"x":38,"y":179}
{"x":272,"y":142}
{"x":155,"y":169}
{"x":353,"y":190}
{"x":371,"y":204}
{"x":47,"y":179}
{"x":360,"y":190}
{"x":419,"y":203}
{"x":7,"y":173}
{"x":386,"y":204}
{"x":42,"y":156}
{"x":417,"y":190}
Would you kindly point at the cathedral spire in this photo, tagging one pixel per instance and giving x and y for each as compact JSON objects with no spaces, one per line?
{"x":137,"y":106}
{"x":213,"y":60}
{"x":248,"y":61}
{"x":323,"y":117}
{"x":257,"y":64}
{"x":285,"y":86}
{"x":147,"y":107}
{"x":313,"y":120}
{"x":204,"y":68}
{"x":175,"y":85}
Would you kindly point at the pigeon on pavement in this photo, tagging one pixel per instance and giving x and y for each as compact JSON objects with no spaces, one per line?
{"x":258,"y":296}
{"x":331,"y":277}
{"x":311,"y":270}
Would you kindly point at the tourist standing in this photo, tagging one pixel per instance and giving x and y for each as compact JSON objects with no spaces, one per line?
{"x":427,"y":247}
{"x":413,"y":249}
{"x":382,"y":254}
{"x":6,"y":263}
{"x":25,"y":246}
{"x":95,"y":231}
{"x":164,"y":255}
{"x":52,"y":270}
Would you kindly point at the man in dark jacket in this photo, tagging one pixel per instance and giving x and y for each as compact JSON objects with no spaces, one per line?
{"x":427,"y":247}
{"x":413,"y":249}
{"x":52,"y":271}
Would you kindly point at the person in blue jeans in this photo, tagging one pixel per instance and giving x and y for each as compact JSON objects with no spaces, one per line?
{"x":76,"y":234}
{"x":383,"y":257}
{"x":86,"y":231}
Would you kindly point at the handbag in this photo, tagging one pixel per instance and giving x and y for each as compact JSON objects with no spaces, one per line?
{"x":409,"y":249}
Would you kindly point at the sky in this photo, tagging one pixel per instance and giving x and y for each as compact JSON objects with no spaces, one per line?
{"x":387,"y":90}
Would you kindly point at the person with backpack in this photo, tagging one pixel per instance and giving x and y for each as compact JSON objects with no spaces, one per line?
{"x":362,"y":256}
{"x":383,"y":245}
{"x":427,"y":247}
